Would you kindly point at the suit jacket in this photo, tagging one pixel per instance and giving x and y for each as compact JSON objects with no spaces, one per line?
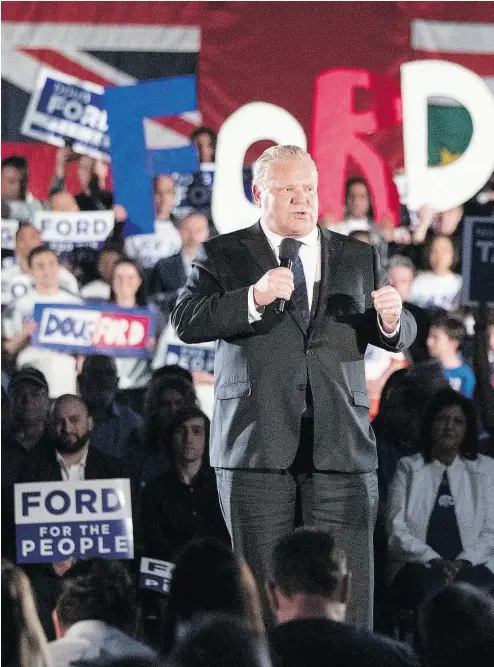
{"x":262,"y":369}
{"x":320,"y":642}
{"x":411,"y":500}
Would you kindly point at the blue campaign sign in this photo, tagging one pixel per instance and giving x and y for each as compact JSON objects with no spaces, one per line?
{"x":190,"y":357}
{"x":94,"y":329}
{"x":86,"y":519}
{"x":156,"y":575}
{"x":65,"y":109}
{"x":133,"y":165}
{"x":478,"y":261}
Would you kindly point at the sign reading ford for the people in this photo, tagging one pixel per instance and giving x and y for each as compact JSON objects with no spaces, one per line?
{"x":87,"y":519}
{"x":98,"y":329}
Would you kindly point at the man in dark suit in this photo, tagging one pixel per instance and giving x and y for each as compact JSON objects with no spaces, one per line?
{"x":69,"y":458}
{"x":308,"y":590}
{"x":291,"y":410}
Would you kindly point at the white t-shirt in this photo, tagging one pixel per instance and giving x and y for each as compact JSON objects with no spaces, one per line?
{"x":16,"y":284}
{"x":96,"y":289}
{"x":58,"y":368}
{"x":430,"y":290}
{"x":147,"y":249}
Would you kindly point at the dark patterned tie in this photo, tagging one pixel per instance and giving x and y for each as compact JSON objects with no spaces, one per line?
{"x":299,"y":296}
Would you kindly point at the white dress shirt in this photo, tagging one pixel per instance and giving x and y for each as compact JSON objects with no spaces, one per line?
{"x":75,"y":472}
{"x":310,"y":256}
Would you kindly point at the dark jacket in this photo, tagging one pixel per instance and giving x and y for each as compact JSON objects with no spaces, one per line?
{"x":262,"y":369}
{"x":173,"y":513}
{"x":320,"y":642}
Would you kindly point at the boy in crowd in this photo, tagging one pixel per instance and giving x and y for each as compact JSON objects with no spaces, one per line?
{"x":446,"y":334}
{"x":58,"y":368}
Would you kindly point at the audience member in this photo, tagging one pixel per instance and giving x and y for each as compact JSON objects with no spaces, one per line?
{"x":27,"y":427}
{"x":446,"y":334}
{"x":441,"y":506}
{"x":92,"y":176}
{"x":456,"y":627}
{"x":220,"y":640}
{"x":308,"y":591}
{"x":58,"y":368}
{"x":128,"y":291}
{"x":147,"y":249}
{"x":17,"y":280}
{"x":182,"y":503}
{"x":95,"y":615}
{"x":20,"y":203}
{"x":204,"y":139}
{"x":483,"y":360}
{"x":438,"y":287}
{"x":209,"y":577}
{"x":70,"y":457}
{"x":171,"y":273}
{"x":431,"y":224}
{"x":100,"y":288}
{"x":163,"y":399}
{"x":23,"y":639}
{"x":63,"y":202}
{"x":116,"y":428}
{"x":401,"y":272}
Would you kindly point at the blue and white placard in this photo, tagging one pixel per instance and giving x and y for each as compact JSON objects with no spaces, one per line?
{"x":86,"y":519}
{"x":156,"y":575}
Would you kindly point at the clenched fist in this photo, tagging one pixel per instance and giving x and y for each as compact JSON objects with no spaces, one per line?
{"x":275,"y":284}
{"x":388,"y":305}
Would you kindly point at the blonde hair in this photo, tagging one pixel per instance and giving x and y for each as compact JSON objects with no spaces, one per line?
{"x":29,"y":641}
{"x":275,"y":153}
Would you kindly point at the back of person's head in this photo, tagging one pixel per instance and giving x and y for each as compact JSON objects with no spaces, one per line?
{"x":445,"y":398}
{"x":308,"y":562}
{"x":220,"y":640}
{"x":23,"y":639}
{"x":98,"y":382}
{"x":456,"y":620}
{"x":97,"y":590}
{"x":173,"y":370}
{"x":208,"y":577}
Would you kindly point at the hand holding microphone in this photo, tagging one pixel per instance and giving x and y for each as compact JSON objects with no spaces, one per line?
{"x":277,"y":284}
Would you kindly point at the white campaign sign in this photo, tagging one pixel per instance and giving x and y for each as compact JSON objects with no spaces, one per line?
{"x":79,"y":227}
{"x":253,"y":122}
{"x":9,"y":230}
{"x":448,"y":186}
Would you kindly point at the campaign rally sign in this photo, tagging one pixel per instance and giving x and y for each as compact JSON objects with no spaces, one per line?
{"x":64,"y":109}
{"x":171,"y":350}
{"x":156,"y":575}
{"x":65,"y":231}
{"x":478,"y":261}
{"x":94,"y":329}
{"x":87,"y":519}
{"x":9,"y":230}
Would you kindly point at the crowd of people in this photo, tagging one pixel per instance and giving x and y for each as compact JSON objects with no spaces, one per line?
{"x":67,"y":418}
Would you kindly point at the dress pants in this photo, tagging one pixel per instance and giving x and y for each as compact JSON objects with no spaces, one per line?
{"x":259,"y":507}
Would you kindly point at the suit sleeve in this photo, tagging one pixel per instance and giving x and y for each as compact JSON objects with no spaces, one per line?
{"x":205,"y":311}
{"x":408,"y":326}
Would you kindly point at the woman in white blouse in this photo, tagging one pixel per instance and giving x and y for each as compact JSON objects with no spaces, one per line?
{"x":441,"y":506}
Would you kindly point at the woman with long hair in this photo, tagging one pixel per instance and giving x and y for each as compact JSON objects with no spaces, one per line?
{"x":23,"y":639}
{"x":128,"y":290}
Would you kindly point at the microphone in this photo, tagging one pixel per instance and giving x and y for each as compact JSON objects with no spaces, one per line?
{"x":288,"y":254}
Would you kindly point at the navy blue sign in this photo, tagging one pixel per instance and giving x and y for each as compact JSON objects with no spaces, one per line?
{"x":156,"y":575}
{"x":86,"y":519}
{"x":478,"y":261}
{"x":191,"y":358}
{"x":64,"y":109}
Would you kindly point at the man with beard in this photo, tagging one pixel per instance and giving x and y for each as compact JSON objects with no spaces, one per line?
{"x":70,"y":457}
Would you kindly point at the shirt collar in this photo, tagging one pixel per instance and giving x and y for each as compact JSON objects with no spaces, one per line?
{"x":82,"y":462}
{"x":275,"y":239}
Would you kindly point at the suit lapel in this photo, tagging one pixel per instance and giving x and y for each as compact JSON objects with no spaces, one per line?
{"x":258,"y":246}
{"x":330,"y":259}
